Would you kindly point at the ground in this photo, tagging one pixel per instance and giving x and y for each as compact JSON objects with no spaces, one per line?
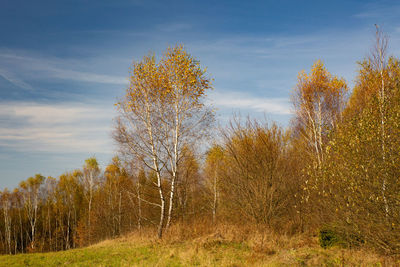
{"x":211,"y":250}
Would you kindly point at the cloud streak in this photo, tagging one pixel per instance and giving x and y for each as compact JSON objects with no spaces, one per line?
{"x":54,"y":68}
{"x":237,"y":101}
{"x":378,"y":10}
{"x":64,"y":128}
{"x":14,"y":80}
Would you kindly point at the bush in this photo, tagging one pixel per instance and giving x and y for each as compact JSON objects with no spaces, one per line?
{"x":329,"y":237}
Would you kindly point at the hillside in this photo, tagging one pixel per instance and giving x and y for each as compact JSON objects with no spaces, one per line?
{"x":211,"y":250}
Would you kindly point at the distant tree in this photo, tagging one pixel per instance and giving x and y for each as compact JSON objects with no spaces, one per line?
{"x":113,"y":206}
{"x":48,"y":209}
{"x":5,"y":198}
{"x":188,"y":186}
{"x":213,"y":168}
{"x":31,"y":194}
{"x":91,"y":172}
{"x":68,"y":196}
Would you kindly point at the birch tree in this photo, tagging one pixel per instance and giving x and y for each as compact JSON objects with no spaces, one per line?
{"x":378,"y":80}
{"x":163,"y":111}
{"x":318,"y":100}
{"x":5,"y":203}
{"x":213,"y":167}
{"x":91,"y":172}
{"x":31,"y":190}
{"x":379,"y":62}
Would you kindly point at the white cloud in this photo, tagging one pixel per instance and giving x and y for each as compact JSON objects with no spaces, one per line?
{"x":28,"y":126}
{"x":37,"y":66}
{"x":14,"y":80}
{"x":377,"y":10}
{"x":87,"y":77}
{"x":277,"y":106}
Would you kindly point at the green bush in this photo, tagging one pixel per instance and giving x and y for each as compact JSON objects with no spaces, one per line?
{"x":335,"y":236}
{"x":328,"y":237}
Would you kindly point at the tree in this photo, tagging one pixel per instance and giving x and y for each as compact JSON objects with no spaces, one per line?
{"x":379,"y":62}
{"x":68,"y":198}
{"x":91,"y":172}
{"x":161,"y":113}
{"x":318,"y":100}
{"x":362,"y":169}
{"x":355,"y":172}
{"x":50,"y":188}
{"x":213,"y":168}
{"x":5,"y":203}
{"x":253,"y":180}
{"x":188,"y":185}
{"x":113,"y":200}
{"x":31,"y":190}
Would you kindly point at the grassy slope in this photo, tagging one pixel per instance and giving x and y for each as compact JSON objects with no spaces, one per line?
{"x":124,"y":252}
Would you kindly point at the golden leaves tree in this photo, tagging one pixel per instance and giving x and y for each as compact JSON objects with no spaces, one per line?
{"x":90,"y":177}
{"x":252,"y":181}
{"x":5,"y":204}
{"x":362,"y":160}
{"x":162,"y":112}
{"x":318,"y":100}
{"x":213,"y":167}
{"x":378,"y":78}
{"x":31,"y":192}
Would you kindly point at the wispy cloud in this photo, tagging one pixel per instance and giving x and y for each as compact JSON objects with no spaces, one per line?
{"x":55,"y":68}
{"x":269,"y":64}
{"x":68,"y":127}
{"x":14,"y":80}
{"x":379,"y":10}
{"x":240,"y":101}
{"x":87,"y":77}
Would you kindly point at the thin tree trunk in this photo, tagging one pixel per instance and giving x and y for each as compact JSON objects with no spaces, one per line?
{"x":158,"y":173}
{"x":174,"y":167}
{"x":215,"y":202}
{"x":119,"y":213}
{"x":90,"y":209}
{"x":381,"y":44}
{"x":162,"y":210}
{"x":7,"y":224}
{"x":171,"y":201}
{"x":15,"y":240}
{"x":49,"y":225}
{"x":139,"y":206}
{"x":21,"y":231}
{"x":67,"y":246}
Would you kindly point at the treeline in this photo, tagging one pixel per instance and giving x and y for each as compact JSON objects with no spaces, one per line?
{"x":335,"y":171}
{"x":78,"y":208}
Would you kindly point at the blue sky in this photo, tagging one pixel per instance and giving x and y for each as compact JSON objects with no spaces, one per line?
{"x":63,"y":64}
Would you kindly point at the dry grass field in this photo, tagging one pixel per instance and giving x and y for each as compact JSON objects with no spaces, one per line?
{"x":200,"y":246}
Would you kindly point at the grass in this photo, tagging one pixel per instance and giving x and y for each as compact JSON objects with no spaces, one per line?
{"x":226,"y":246}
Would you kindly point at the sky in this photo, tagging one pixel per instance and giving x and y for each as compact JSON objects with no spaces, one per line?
{"x":63,"y":64}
